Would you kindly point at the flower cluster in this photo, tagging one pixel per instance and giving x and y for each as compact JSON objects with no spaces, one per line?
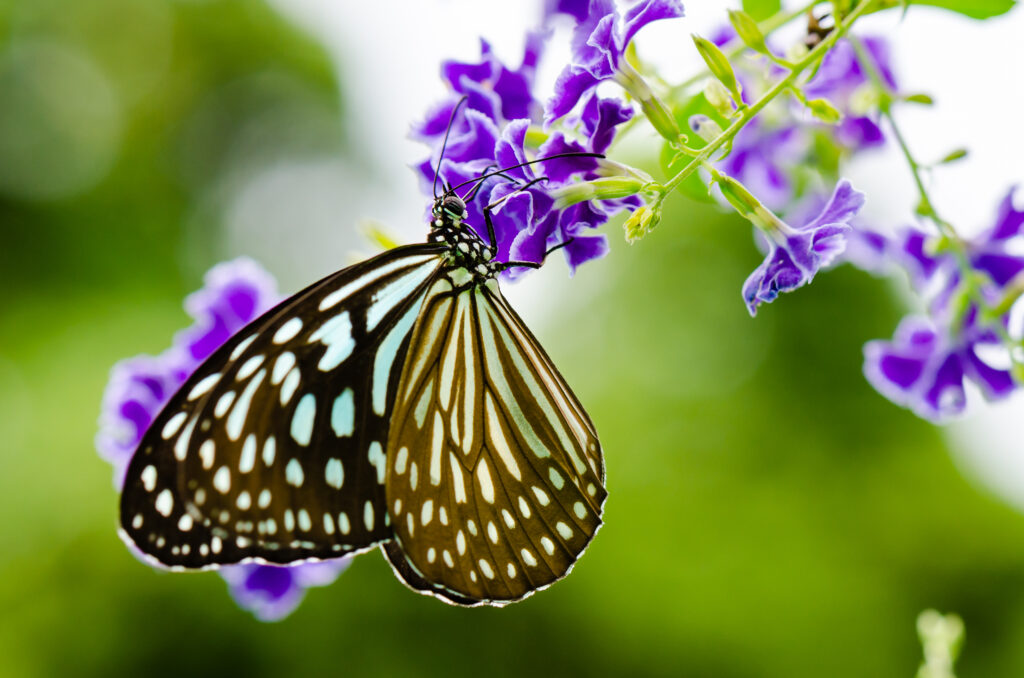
{"x":234,"y":293}
{"x":499,"y":126}
{"x":929,"y":361}
{"x":771,"y":155}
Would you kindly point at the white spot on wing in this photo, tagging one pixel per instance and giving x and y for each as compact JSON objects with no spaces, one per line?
{"x":291,"y":382}
{"x":284,"y":363}
{"x":376,"y":457}
{"x":458,"y":483}
{"x":240,"y":349}
{"x":334,"y":473}
{"x":386,"y":355}
{"x":149,"y":478}
{"x":247,"y":460}
{"x":250,"y":365}
{"x":172,"y":425}
{"x":483,"y":476}
{"x":293,"y":473}
{"x":368,"y":516}
{"x":236,"y":420}
{"x":303,"y":420}
{"x":343,"y":413}
{"x":287,"y":331}
{"x":336,"y":335}
{"x":203,"y":386}
{"x":222,"y":480}
{"x":165,"y":503}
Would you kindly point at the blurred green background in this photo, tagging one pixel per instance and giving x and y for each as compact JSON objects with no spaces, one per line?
{"x":769,"y":514}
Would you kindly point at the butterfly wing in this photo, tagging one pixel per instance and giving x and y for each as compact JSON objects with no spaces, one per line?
{"x":495,"y":479}
{"x":274,"y":447}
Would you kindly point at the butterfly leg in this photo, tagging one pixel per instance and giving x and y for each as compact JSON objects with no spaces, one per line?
{"x":489,"y":208}
{"x":534,"y":264}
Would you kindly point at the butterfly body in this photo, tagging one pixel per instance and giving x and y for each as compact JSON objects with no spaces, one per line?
{"x":399,"y":402}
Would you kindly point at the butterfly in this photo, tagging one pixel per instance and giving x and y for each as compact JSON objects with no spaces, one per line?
{"x":401,"y":403}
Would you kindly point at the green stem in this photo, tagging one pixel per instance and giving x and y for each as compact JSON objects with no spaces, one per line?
{"x":812,"y":57}
{"x":926,"y":208}
{"x":767,"y":27}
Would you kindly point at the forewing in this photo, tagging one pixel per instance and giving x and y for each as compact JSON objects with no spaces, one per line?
{"x":274,"y":448}
{"x":495,"y":479}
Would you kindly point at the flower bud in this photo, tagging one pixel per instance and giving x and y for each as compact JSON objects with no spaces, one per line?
{"x":749,"y":207}
{"x":953,"y":156}
{"x":719,"y":66}
{"x":919,"y":98}
{"x":748,"y":31}
{"x":823,"y":110}
{"x":653,"y":108}
{"x":603,"y":188}
{"x":718,"y":97}
{"x":641,"y":222}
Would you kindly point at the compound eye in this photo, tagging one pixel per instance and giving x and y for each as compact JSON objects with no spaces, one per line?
{"x":453,"y":205}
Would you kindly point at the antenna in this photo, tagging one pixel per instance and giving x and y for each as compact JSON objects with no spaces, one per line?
{"x":444,"y":143}
{"x":487,"y":175}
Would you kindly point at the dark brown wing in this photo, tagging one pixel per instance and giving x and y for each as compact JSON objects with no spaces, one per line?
{"x":495,"y":475}
{"x":274,"y":448}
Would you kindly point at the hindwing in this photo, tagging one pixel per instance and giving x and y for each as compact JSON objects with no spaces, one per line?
{"x":495,"y":478}
{"x":275,"y":447}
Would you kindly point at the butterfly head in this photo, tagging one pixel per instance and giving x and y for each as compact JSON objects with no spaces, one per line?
{"x":449,"y":210}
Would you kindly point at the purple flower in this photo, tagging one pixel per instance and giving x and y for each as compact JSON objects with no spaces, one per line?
{"x":796,"y":254}
{"x":839,"y":79}
{"x":272,"y":592}
{"x":995,"y":252}
{"x":490,"y":132}
{"x":599,"y":44}
{"x":924,"y":367}
{"x":494,"y":95}
{"x":929,"y":360}
{"x":547,"y":224}
{"x":234,"y":293}
{"x":577,"y":9}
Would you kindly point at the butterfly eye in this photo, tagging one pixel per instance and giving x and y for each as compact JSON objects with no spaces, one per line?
{"x":454,"y":206}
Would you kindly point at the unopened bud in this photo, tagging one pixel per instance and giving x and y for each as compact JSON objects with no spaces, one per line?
{"x":603,"y":188}
{"x":641,"y":222}
{"x":823,"y":110}
{"x":919,"y":98}
{"x":718,"y":96}
{"x":719,"y":66}
{"x":953,"y":156}
{"x":749,"y":207}
{"x":748,"y":31}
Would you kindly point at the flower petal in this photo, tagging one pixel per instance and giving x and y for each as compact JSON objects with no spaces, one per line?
{"x":643,"y":13}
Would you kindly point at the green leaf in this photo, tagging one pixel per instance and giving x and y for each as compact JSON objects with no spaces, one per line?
{"x":975,"y":9}
{"x":762,"y":9}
